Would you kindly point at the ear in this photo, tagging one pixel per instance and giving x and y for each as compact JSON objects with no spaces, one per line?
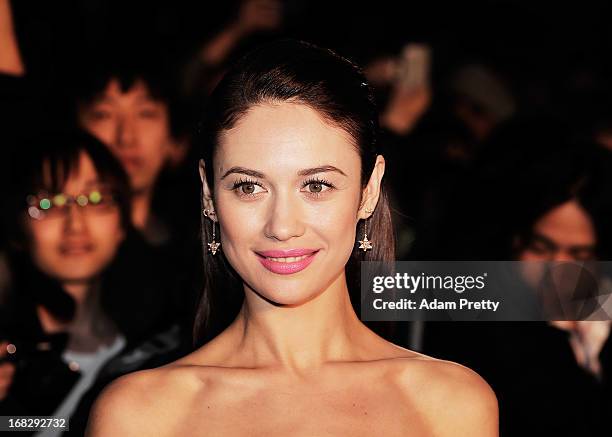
{"x":207,"y":198}
{"x":371,"y":193}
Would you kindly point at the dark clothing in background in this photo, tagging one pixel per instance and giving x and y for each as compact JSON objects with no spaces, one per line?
{"x":531,"y":367}
{"x":135,"y":293}
{"x":159,"y":349}
{"x":423,"y":170}
{"x":141,"y":288}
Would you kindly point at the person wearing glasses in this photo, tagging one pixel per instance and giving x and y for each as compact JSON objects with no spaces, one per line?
{"x":63,"y":320}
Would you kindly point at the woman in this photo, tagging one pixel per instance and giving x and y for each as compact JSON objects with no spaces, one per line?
{"x":292,"y":199}
{"x":64,"y":316}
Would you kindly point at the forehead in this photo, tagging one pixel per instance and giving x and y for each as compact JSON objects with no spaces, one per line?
{"x":138,"y":92}
{"x":285,"y":137}
{"x":567,"y":223}
{"x":82,"y":176}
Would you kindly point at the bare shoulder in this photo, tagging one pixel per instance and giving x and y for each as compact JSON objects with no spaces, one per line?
{"x":143,"y":403}
{"x":454,"y":399}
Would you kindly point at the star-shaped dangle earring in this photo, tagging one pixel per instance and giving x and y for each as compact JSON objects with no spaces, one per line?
{"x":365,"y":244}
{"x":213,"y":246}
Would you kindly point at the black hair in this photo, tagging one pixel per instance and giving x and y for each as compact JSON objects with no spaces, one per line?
{"x":60,"y":151}
{"x":299,"y":72}
{"x":527,"y":168}
{"x":128,"y":68}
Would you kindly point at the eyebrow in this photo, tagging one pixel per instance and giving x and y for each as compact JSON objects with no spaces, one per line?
{"x":322,"y":169}
{"x":554,"y":246}
{"x":536,"y":237}
{"x":304,"y":172}
{"x":242,"y":170}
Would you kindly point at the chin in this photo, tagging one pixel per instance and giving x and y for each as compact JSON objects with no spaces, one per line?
{"x":290,"y":293}
{"x":74,"y":279}
{"x":288,"y":298}
{"x":76,"y":274}
{"x":138,"y":182}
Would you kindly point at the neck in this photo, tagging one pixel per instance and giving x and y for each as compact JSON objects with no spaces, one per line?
{"x":78,"y":291}
{"x":90,"y":327}
{"x":298,"y":338}
{"x":141,"y":209}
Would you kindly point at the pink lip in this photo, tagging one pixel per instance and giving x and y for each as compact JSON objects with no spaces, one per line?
{"x":286,"y":268}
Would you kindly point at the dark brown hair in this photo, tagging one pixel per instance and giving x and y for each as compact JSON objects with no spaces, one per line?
{"x":300,"y":72}
{"x":61,"y":151}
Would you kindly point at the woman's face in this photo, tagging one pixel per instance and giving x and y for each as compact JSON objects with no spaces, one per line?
{"x":287,"y":197}
{"x":75,"y":243}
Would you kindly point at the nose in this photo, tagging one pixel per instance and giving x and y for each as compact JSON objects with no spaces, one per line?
{"x":125,"y":133}
{"x":285,"y":218}
{"x":74,"y":221}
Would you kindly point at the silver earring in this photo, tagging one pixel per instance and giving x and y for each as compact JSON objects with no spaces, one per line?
{"x":213,"y":246}
{"x":365,"y":244}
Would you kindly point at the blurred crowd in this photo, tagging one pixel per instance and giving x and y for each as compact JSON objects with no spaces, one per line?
{"x":498,"y":141}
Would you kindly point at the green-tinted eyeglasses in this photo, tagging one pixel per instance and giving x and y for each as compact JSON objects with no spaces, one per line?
{"x":43,"y":206}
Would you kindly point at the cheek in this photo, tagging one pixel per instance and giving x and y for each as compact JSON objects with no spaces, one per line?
{"x":528,"y":255}
{"x":44,"y":237}
{"x":155,"y":138}
{"x":106,"y":231}
{"x":335,"y":223}
{"x":156,"y":157}
{"x":331,"y":223}
{"x":103,"y":131}
{"x":241,"y":224}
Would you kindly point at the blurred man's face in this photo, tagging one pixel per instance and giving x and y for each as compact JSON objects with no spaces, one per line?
{"x":135,"y":127}
{"x":565,"y":233}
{"x":75,"y":242}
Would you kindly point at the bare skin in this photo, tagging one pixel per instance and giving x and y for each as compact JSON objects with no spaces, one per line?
{"x":381,"y":390}
{"x":296,"y":361}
